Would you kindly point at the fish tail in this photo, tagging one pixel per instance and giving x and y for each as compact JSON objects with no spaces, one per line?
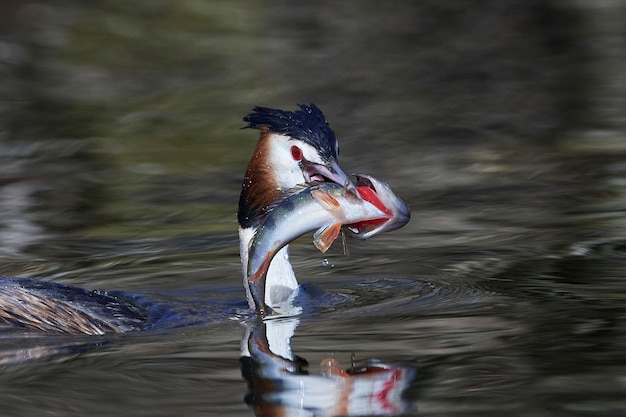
{"x":262,"y":270}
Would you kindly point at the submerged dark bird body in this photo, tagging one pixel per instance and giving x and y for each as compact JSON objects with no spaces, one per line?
{"x":53,"y":307}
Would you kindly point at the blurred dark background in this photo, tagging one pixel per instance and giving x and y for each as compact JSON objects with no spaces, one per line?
{"x":527,"y":70}
{"x":501,"y":123}
{"x":122,"y":120}
{"x":112,"y":112}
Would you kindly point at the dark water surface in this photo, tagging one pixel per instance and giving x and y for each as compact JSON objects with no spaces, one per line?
{"x":502,"y":126}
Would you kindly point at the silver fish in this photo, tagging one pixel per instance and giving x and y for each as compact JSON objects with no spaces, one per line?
{"x":324,"y":207}
{"x":398,"y":213}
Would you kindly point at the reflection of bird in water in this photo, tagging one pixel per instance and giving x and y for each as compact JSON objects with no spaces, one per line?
{"x":280,"y":384}
{"x":293,"y":148}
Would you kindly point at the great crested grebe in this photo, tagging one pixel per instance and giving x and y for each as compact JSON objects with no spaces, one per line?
{"x":294,"y":148}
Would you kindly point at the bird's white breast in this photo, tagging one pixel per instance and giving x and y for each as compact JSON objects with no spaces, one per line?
{"x":280,"y":284}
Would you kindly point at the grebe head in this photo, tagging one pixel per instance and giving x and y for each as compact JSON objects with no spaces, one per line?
{"x":293,"y":148}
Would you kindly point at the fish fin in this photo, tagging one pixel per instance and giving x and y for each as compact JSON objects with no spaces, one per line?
{"x":285,"y":195}
{"x":326,"y":200}
{"x":325,"y":236}
{"x":344,"y":243}
{"x":256,"y":285}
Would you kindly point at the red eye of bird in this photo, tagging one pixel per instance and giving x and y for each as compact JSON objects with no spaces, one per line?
{"x":296,"y":153}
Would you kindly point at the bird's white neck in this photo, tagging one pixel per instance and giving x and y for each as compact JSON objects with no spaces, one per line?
{"x":281,"y":284}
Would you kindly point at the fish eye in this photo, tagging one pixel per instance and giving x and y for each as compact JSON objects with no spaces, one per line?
{"x":296,"y":153}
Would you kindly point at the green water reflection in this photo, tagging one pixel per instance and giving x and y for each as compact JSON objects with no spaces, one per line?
{"x":502,"y":126}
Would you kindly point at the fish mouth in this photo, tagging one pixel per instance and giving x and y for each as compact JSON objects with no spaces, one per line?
{"x":379,"y":194}
{"x":330,"y":172}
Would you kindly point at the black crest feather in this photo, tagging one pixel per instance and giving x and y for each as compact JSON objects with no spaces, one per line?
{"x":307,"y":124}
